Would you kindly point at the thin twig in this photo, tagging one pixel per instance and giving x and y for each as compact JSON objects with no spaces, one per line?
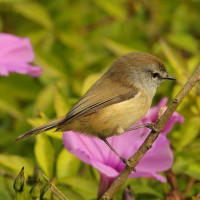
{"x":6,"y":174}
{"x":55,"y":193}
{"x":158,"y":127}
{"x":55,"y":188}
{"x":174,"y":192}
{"x":190,"y":184}
{"x":171,"y":179}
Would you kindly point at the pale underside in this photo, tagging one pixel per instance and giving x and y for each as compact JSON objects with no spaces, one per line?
{"x":113,"y":119}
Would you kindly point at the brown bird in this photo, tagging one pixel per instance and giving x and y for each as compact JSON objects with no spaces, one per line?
{"x":120,"y":98}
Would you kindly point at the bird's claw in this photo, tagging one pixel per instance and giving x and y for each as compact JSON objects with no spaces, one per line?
{"x":125,"y":161}
{"x":151,"y":126}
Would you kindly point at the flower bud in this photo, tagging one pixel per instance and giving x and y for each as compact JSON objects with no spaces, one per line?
{"x":19,"y":183}
{"x":127,"y":194}
{"x":35,"y":190}
{"x":46,"y":192}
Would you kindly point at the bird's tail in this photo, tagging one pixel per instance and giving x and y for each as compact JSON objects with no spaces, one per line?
{"x":45,"y":127}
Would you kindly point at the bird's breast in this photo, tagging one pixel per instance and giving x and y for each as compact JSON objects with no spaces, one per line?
{"x":126,"y":113}
{"x":113,"y":119}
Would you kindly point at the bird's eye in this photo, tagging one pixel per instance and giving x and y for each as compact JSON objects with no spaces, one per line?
{"x":155,"y":75}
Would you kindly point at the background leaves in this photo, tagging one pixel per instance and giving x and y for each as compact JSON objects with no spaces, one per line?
{"x":75,"y":42}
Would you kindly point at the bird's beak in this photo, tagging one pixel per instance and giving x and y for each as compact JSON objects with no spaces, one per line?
{"x":169,"y":77}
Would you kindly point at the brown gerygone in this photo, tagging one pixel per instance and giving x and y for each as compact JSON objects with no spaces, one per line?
{"x":120,"y":98}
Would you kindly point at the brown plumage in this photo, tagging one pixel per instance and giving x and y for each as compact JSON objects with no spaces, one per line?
{"x":120,"y":98}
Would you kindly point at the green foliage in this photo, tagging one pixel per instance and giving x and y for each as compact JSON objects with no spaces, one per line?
{"x":45,"y":154}
{"x":14,"y":163}
{"x":67,"y":164}
{"x":19,"y":185}
{"x":46,"y":192}
{"x":35,"y":191}
{"x":75,"y":42}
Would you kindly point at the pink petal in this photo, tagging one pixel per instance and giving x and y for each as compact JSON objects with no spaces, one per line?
{"x":175,"y":118}
{"x":3,"y":70}
{"x":21,"y":68}
{"x":92,"y":151}
{"x":162,"y":103}
{"x":15,"y":49}
{"x":158,"y":158}
{"x":152,"y":114}
{"x":109,"y":171}
{"x":127,"y":140}
{"x":96,"y":153}
{"x":154,"y":175}
{"x":15,"y":54}
{"x":105,"y":183}
{"x":93,"y":147}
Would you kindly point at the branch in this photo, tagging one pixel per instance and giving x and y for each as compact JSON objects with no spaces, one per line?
{"x":55,"y":188}
{"x":158,"y":127}
{"x":191,"y":182}
{"x":174,"y":192}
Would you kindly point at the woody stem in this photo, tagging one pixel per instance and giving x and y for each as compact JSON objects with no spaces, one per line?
{"x":158,"y":127}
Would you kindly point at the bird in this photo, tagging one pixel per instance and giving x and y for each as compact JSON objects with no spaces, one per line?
{"x":115,"y":102}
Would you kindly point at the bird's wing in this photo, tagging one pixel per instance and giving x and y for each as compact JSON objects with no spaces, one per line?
{"x":102,"y":94}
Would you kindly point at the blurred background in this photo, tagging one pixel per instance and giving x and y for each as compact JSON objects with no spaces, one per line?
{"x":74,"y":42}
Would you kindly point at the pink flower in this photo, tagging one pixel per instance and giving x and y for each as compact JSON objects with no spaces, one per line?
{"x":95,"y":152}
{"x":127,"y":194}
{"x":152,"y":115}
{"x":15,"y":55}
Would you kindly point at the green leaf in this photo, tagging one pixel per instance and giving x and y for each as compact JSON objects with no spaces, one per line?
{"x":35,"y":12}
{"x":193,"y":170}
{"x":189,"y":132}
{"x":71,"y":39}
{"x":186,"y":165}
{"x":44,"y":98}
{"x":176,"y":90}
{"x":184,"y":41}
{"x":4,"y":192}
{"x":116,"y":47}
{"x":49,"y":63}
{"x":60,"y":103}
{"x":45,"y":154}
{"x":113,"y":8}
{"x":6,"y":107}
{"x":192,"y":63}
{"x":85,"y":186}
{"x":15,"y":163}
{"x":145,"y":189}
{"x":89,"y":81}
{"x":73,"y":194}
{"x":67,"y":164}
{"x":174,"y":60}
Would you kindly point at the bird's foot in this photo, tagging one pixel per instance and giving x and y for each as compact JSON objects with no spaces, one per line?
{"x":125,"y":161}
{"x":150,"y":126}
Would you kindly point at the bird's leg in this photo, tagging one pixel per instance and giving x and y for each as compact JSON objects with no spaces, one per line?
{"x":149,"y":125}
{"x":123,"y":159}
